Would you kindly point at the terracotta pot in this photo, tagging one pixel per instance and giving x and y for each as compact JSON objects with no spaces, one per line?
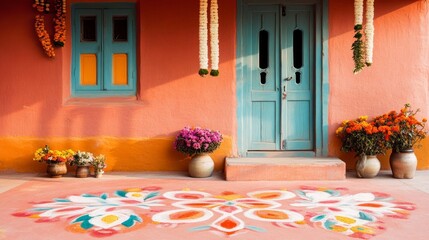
{"x":367,"y":166}
{"x":57,"y":170}
{"x":82,"y":171}
{"x":403,"y":164}
{"x":201,"y":166}
{"x":99,"y":173}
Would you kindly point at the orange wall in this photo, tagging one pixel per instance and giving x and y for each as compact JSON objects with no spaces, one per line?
{"x":36,"y":107}
{"x":400,"y":70}
{"x":137,"y":134}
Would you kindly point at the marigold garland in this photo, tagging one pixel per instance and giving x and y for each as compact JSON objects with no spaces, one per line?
{"x":60,"y":23}
{"x":44,"y":36}
{"x":43,"y":6}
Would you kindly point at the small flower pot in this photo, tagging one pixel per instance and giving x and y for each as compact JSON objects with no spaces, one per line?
{"x":201,"y":166}
{"x":56,"y":170}
{"x":82,"y":171}
{"x":99,"y":173}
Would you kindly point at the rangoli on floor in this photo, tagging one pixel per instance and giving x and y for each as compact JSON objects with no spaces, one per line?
{"x":357,"y":215}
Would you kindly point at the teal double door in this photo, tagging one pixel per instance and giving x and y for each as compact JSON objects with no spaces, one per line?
{"x":278,"y":77}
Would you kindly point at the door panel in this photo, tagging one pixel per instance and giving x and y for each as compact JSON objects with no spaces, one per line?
{"x":263,"y":130}
{"x":264,"y":93}
{"x":298,"y":80}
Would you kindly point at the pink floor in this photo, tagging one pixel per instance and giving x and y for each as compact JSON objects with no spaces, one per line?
{"x":161,"y":208}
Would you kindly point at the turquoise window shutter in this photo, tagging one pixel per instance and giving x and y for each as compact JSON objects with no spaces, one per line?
{"x":103,"y":49}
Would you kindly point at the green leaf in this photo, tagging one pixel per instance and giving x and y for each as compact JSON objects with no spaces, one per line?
{"x":203,"y":72}
{"x":214,"y":73}
{"x":358,"y":27}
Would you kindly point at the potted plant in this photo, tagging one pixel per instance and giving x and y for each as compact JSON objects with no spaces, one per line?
{"x":82,"y":161}
{"x":407,"y":132}
{"x":99,"y":163}
{"x":197,"y":143}
{"x":367,"y":140}
{"x":55,"y":160}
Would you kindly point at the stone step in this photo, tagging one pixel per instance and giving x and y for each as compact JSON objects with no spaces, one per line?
{"x":279,"y":169}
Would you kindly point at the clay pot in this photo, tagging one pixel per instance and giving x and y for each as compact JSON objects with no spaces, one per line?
{"x":201,"y":166}
{"x":82,"y":171}
{"x":57,"y":170}
{"x":367,"y":166}
{"x":403,"y":164}
{"x":99,"y":173}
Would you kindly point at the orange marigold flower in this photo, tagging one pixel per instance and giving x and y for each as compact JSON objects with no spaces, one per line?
{"x":368,"y":130}
{"x":395,"y":128}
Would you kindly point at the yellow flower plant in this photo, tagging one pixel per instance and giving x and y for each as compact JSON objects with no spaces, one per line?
{"x":50,"y":156}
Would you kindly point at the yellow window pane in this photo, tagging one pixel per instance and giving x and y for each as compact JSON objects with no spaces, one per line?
{"x":88,"y":69}
{"x":120,"y":69}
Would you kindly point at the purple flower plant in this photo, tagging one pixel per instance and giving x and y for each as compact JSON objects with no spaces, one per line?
{"x":197,"y":140}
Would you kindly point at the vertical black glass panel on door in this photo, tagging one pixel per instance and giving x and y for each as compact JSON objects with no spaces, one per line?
{"x":297,"y":53}
{"x":120,"y":29}
{"x":297,"y":48}
{"x":263,"y":54}
{"x":88,"y":29}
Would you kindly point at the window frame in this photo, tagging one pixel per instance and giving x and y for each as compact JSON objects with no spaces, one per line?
{"x":104,"y":49}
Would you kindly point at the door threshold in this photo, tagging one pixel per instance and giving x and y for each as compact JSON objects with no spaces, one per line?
{"x":280,"y":154}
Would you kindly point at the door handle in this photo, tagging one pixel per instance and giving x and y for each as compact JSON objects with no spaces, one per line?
{"x":288,"y":79}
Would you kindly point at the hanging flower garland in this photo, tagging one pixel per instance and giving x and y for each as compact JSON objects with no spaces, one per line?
{"x":43,"y":7}
{"x":363,"y":51}
{"x":369,"y":31}
{"x":358,"y":45}
{"x":204,"y":60}
{"x":60,"y":23}
{"x":214,"y":38}
{"x":44,"y":36}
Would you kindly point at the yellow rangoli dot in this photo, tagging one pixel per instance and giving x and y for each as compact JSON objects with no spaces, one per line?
{"x":109,"y":218}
